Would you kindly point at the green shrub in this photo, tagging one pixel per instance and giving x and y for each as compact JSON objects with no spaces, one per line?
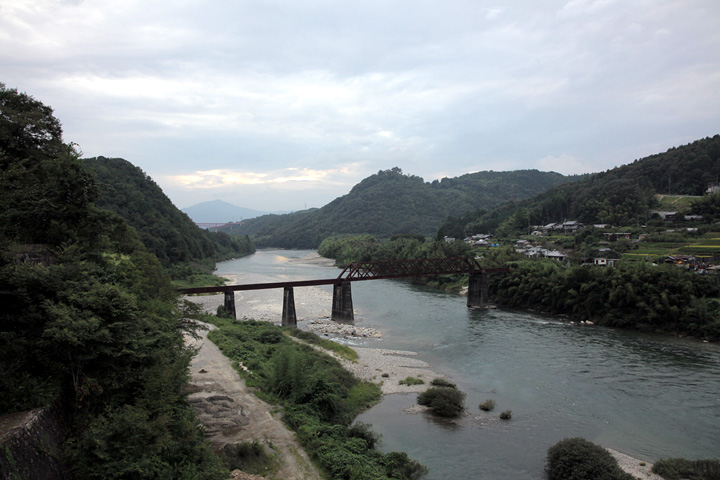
{"x":223,"y":312}
{"x":411,"y":381}
{"x":487,"y":405}
{"x":579,"y":459}
{"x":441,"y":382}
{"x":506,"y":415}
{"x":399,"y":465}
{"x":443,"y":401}
{"x":680,"y":468}
{"x":320,"y":400}
{"x":250,"y":457}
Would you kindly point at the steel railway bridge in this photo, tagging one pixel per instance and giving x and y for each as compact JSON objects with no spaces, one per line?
{"x":342,"y":306}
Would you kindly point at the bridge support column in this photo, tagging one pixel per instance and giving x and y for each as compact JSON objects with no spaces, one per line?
{"x":342,"y":306}
{"x":229,"y":304}
{"x":477,"y":295}
{"x":289,"y":319}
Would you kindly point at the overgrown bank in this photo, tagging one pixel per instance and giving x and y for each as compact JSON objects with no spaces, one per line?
{"x":319,"y":397}
{"x":633,"y":295}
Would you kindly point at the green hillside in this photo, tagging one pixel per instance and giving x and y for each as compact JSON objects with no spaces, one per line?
{"x":390,"y":203}
{"x":621,"y":196}
{"x":89,"y":323}
{"x":166,"y":231}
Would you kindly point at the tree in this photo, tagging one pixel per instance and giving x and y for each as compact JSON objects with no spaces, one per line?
{"x":28,"y":128}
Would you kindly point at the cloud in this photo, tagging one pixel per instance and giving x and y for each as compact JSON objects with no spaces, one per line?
{"x":234,"y":95}
{"x":221,"y":178}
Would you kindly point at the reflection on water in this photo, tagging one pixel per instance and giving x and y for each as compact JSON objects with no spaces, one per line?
{"x":646,"y":395}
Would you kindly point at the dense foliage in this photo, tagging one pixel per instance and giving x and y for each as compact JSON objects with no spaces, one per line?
{"x":166,"y":231}
{"x":682,"y":469}
{"x":366,"y":248}
{"x":621,"y":196}
{"x":661,"y":298}
{"x":443,"y":401}
{"x":390,"y":203}
{"x":578,"y":459}
{"x":89,"y":322}
{"x":319,"y":396}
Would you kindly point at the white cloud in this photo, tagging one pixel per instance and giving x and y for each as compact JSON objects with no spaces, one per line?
{"x":245,"y":89}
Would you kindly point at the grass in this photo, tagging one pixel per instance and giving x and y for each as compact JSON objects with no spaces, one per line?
{"x":707,"y":246}
{"x":199,"y":280}
{"x":680,"y":468}
{"x":250,"y":457}
{"x":441,"y":382}
{"x":677,"y":203}
{"x":318,"y":397}
{"x":487,"y":405}
{"x":411,"y":381}
{"x":343,"y":350}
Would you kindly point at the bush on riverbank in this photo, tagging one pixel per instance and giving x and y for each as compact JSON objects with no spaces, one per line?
{"x":679,"y":468}
{"x":579,"y":459}
{"x":320,"y":399}
{"x":446,"y":402}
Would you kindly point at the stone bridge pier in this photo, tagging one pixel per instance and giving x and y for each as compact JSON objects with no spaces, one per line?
{"x":342,"y":305}
{"x":477,"y":296}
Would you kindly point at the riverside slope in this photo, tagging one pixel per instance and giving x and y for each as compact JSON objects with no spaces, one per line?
{"x":232,"y":414}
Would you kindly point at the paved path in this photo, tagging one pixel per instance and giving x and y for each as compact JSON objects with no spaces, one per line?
{"x":232,"y":414}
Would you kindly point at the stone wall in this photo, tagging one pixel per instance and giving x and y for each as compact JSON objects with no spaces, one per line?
{"x":30,"y":445}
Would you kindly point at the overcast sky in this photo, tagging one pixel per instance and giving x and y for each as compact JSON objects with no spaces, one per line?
{"x":282,"y":105}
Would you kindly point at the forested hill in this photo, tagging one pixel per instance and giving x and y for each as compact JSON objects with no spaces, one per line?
{"x":90,"y":325}
{"x":390,"y":202}
{"x":621,"y":196}
{"x":166,"y":231}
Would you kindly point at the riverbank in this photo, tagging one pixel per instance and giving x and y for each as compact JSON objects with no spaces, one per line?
{"x":634,"y":466}
{"x":385,"y":367}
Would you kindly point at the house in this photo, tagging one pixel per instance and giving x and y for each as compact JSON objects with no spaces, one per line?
{"x":480,"y":239}
{"x":555,"y":255}
{"x":667,"y":216}
{"x":571,"y":226}
{"x":604,"y":261}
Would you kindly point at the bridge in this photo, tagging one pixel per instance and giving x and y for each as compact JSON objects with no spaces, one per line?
{"x":342,"y":306}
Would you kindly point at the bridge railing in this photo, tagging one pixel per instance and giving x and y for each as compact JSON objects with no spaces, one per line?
{"x":419,"y":267}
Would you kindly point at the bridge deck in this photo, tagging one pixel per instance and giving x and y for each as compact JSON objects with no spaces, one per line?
{"x":357,"y":271}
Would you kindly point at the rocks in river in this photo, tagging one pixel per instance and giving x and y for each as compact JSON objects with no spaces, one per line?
{"x":344,"y":329}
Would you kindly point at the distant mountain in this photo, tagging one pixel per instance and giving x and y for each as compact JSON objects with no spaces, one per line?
{"x":163,"y":228}
{"x":619,"y":197}
{"x":390,"y":202}
{"x":218,"y":211}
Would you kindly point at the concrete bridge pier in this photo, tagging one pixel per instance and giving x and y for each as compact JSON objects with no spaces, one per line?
{"x":229,"y":304}
{"x":477,"y":295}
{"x":342,"y":306}
{"x":289,"y":319}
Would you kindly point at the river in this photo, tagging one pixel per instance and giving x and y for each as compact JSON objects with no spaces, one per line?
{"x":648,"y":396}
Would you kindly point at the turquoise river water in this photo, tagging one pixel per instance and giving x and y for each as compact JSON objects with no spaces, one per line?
{"x":648,"y":396}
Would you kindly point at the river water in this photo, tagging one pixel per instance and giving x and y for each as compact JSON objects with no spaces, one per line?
{"x":648,"y":396}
